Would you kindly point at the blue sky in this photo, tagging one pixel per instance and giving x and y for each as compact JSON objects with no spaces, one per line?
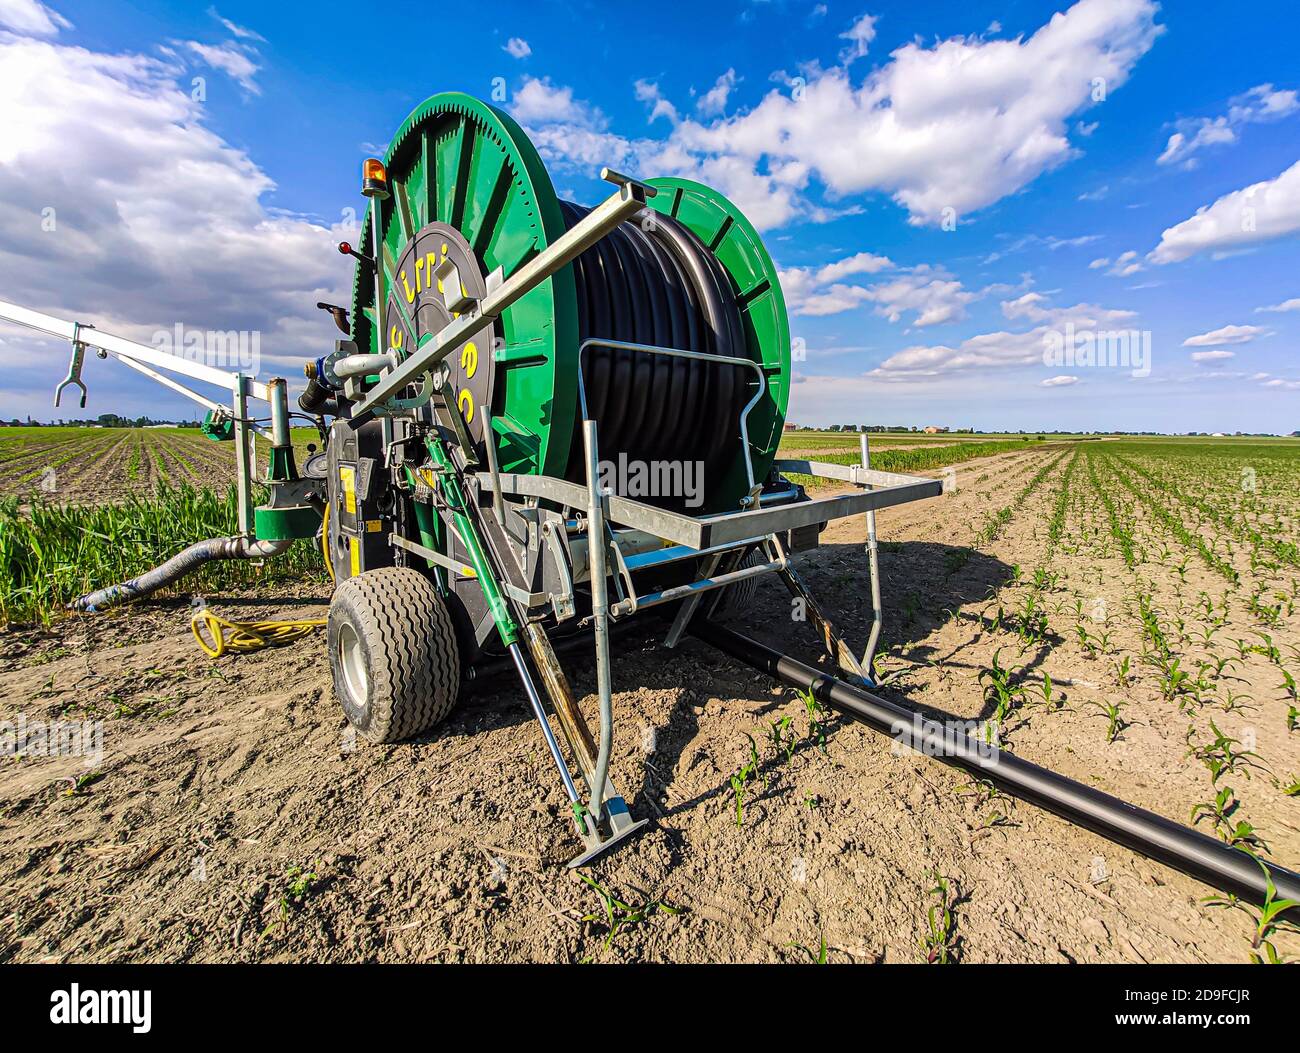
{"x":944,"y":186}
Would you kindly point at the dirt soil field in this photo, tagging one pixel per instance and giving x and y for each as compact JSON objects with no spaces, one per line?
{"x":233,"y":817}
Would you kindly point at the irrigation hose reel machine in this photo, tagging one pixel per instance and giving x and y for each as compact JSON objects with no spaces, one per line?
{"x":502,"y":351}
{"x":506,"y":354}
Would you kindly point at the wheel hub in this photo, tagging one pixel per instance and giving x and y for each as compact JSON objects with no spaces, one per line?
{"x":352,"y":661}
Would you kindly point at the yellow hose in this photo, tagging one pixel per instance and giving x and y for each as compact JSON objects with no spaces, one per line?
{"x":242,"y":637}
{"x":325,"y":541}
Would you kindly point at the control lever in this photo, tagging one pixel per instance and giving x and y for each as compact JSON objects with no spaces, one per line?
{"x":339,"y":314}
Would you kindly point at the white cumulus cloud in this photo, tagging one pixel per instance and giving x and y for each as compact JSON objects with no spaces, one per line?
{"x":234,"y":29}
{"x":1240,"y":219}
{"x":715,"y":99}
{"x":1229,"y":334}
{"x":153,"y":218}
{"x":1002,"y":350}
{"x":859,"y":37}
{"x":945,"y":129}
{"x":236,"y":62}
{"x":31,"y":18}
{"x":1292,"y":304}
{"x":923,"y":294}
{"x":1261,"y":104}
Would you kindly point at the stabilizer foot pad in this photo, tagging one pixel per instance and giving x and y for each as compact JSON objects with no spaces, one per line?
{"x":594,"y":852}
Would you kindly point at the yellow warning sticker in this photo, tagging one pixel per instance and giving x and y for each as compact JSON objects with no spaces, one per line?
{"x":348,"y":480}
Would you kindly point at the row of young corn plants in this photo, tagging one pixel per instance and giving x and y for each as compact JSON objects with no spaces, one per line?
{"x":52,"y":553}
{"x":993,"y":525}
{"x":1199,"y":668}
{"x":1020,"y":607}
{"x":1118,"y":530}
{"x":1284,"y":550}
{"x":1192,"y":540}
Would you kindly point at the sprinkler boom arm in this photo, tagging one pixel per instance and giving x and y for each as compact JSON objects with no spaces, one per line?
{"x":131,"y":351}
{"x":152,"y":362}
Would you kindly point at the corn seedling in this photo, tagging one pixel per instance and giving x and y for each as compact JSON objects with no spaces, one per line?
{"x":814,"y":708}
{"x":1267,"y":920}
{"x":781,"y":736}
{"x":1086,"y":643}
{"x":1218,"y":811}
{"x":741,"y":778}
{"x":818,"y":957}
{"x":1173,"y":680}
{"x":1233,"y":701}
{"x":620,"y":915}
{"x":1220,"y":754}
{"x":1122,"y":676}
{"x":78,"y":785}
{"x":940,"y":940}
{"x":999,"y":690}
{"x":1031,"y":622}
{"x":1115,"y":722}
{"x":1048,"y":699}
{"x":295,"y":887}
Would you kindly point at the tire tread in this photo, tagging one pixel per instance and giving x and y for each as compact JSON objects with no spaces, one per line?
{"x":414,"y":660}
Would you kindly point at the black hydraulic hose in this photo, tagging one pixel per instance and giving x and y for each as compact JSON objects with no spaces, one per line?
{"x":314,"y":396}
{"x":184,"y":562}
{"x":1190,"y":851}
{"x":659,"y":284}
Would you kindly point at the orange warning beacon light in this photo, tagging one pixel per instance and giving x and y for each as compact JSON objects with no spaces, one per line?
{"x":374,"y":178}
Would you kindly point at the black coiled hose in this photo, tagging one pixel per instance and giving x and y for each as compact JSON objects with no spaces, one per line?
{"x":658,"y":284}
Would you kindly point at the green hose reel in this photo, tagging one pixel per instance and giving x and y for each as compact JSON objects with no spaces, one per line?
{"x":467,"y":186}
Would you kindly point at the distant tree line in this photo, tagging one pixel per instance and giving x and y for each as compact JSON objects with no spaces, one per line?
{"x":1011,"y":431}
{"x":104,"y":420}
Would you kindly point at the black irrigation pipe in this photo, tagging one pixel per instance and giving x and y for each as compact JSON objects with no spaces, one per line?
{"x":1190,"y":851}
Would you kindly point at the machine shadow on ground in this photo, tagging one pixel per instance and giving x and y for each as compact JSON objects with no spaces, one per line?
{"x":939,"y":576}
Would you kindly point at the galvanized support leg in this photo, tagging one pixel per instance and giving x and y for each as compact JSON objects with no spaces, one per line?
{"x":604,"y":804}
{"x":599,"y":607}
{"x":243,"y":453}
{"x":873,"y":560}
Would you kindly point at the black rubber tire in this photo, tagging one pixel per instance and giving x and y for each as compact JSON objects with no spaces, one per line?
{"x":401,"y":634}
